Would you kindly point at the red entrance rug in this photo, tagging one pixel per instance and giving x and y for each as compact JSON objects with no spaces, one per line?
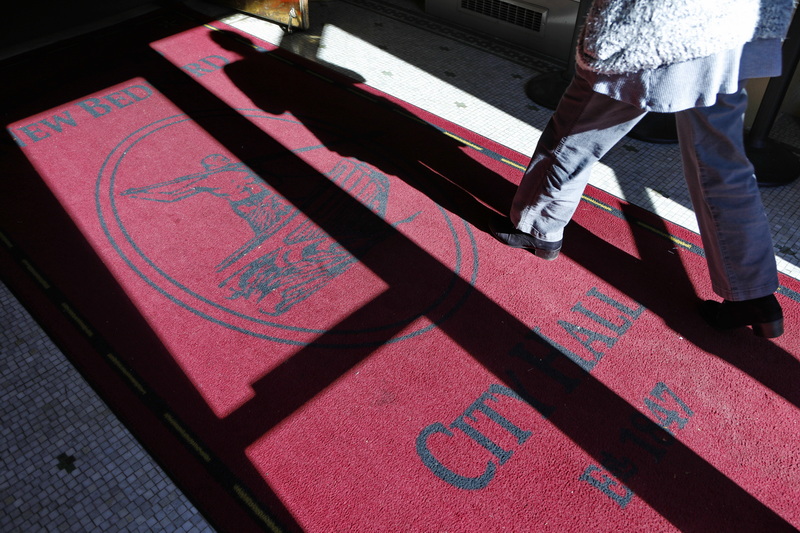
{"x":282,"y":281}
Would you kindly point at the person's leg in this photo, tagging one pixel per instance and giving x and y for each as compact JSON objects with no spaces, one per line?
{"x":724,"y":191}
{"x":733,"y":225}
{"x":584,"y":127}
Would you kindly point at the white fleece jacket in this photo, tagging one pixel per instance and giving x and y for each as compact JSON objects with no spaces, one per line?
{"x":625,"y":36}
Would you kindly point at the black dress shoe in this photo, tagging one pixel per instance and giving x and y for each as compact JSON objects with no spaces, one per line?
{"x":504,"y":231}
{"x":763,"y":314}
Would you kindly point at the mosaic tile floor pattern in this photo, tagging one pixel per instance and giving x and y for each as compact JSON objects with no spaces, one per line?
{"x":69,"y":465}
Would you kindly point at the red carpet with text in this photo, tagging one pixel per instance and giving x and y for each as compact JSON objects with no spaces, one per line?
{"x":282,"y":281}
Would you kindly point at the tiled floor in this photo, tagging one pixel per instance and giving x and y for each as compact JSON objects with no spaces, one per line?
{"x":69,"y":465}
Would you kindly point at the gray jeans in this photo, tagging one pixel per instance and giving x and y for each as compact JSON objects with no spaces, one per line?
{"x":734,"y":228}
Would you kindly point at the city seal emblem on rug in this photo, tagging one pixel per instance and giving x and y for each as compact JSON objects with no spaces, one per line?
{"x":283,"y":239}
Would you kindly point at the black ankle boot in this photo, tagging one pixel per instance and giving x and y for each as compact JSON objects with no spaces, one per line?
{"x":763,"y":314}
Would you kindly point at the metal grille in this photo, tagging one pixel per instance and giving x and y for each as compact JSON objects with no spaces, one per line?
{"x":497,"y":9}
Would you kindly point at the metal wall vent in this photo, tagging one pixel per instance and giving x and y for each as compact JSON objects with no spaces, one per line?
{"x":497,"y":9}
